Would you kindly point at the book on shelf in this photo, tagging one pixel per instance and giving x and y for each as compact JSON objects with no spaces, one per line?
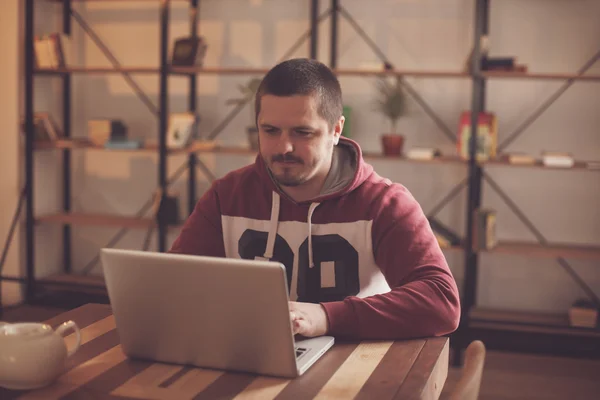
{"x":557,"y":159}
{"x":486,"y":139}
{"x":518,"y":158}
{"x":423,"y":153}
{"x":485,"y":229}
{"x":51,"y":50}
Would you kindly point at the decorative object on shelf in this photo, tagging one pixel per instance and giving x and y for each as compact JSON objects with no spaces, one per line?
{"x":189,"y":51}
{"x":51,"y":50}
{"x":182,"y":129}
{"x":446,"y":237}
{"x":557,"y":159}
{"x":423,"y":153}
{"x":347,"y":113}
{"x":391,"y":102}
{"x":485,"y":229}
{"x":584,"y":314}
{"x":101,"y":131}
{"x":487,"y":136}
{"x":248,"y":92}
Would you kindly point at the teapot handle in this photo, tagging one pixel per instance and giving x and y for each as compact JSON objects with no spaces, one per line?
{"x":70,"y":325}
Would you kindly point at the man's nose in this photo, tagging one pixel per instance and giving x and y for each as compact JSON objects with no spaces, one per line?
{"x":285,"y":144}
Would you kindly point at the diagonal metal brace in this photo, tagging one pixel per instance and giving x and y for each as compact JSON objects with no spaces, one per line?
{"x":537,"y":113}
{"x":563,"y":263}
{"x":452,"y":194}
{"x":136,"y":88}
{"x":206,"y":171}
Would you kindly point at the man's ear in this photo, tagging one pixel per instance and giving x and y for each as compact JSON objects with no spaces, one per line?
{"x":337,"y":131}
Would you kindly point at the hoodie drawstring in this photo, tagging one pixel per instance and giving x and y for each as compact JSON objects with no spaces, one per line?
{"x":273,"y":230}
{"x":311,"y":210}
{"x":272,"y":227}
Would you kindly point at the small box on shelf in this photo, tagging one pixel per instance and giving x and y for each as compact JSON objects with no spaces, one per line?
{"x":583,"y":314}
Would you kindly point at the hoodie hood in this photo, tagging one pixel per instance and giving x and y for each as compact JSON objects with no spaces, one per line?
{"x":348,"y":171}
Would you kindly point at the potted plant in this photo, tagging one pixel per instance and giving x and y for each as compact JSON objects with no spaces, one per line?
{"x":248,"y":92}
{"x":391,"y":102}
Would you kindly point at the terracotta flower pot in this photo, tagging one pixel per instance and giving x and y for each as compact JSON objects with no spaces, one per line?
{"x":392,"y":144}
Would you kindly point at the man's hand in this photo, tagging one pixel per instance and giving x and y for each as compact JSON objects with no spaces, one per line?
{"x":308,"y":319}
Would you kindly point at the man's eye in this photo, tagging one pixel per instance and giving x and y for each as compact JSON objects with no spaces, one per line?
{"x":304,"y":133}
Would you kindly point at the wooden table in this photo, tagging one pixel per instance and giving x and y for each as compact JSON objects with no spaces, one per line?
{"x":413,"y":369}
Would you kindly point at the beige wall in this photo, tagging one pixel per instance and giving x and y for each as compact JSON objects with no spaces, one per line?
{"x":555,"y":36}
{"x":10,"y":157}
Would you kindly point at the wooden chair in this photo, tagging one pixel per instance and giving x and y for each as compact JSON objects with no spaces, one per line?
{"x":467,"y":387}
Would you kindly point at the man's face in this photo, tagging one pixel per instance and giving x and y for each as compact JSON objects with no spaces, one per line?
{"x":296,"y":143}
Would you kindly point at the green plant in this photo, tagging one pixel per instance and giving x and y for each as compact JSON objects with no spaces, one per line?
{"x":248,"y":92}
{"x":391,"y":99}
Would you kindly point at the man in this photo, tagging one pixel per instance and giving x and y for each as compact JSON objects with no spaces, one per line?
{"x":361,"y":259}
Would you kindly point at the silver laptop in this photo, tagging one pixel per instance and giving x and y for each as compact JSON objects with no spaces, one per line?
{"x":220,"y":313}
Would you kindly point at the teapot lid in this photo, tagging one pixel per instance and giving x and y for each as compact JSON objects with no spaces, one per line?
{"x":25,"y":330}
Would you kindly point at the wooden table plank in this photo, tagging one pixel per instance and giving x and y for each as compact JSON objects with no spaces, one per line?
{"x":428,"y":374}
{"x":354,"y":372}
{"x":310,"y":383}
{"x":392,"y":371}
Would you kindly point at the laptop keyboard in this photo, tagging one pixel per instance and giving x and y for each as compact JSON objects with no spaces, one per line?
{"x":300,"y":351}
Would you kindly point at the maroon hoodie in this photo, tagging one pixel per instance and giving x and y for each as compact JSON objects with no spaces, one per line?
{"x":363,"y":249}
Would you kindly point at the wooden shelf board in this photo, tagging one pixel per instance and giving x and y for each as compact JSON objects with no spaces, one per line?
{"x":91,"y":219}
{"x":96,"y":70}
{"x":530,"y":75}
{"x":554,"y":250}
{"x":435,"y":160}
{"x":150,"y":147}
{"x":90,"y":280}
{"x":90,"y":284}
{"x":96,"y":220}
{"x":219,"y":70}
{"x":200,"y":70}
{"x":212,"y":147}
{"x":107,"y":1}
{"x":413,"y":73}
{"x":543,"y":323}
{"x":538,"y":164}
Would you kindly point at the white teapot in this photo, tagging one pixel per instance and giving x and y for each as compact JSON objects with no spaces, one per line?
{"x":33,"y":355}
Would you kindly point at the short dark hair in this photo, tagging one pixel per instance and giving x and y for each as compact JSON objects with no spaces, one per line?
{"x":304,"y":76}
